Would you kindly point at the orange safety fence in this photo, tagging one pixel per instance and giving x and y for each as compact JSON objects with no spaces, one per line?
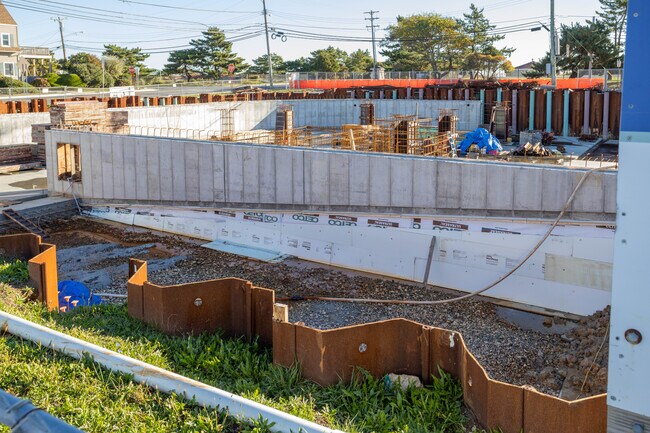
{"x":417,"y":83}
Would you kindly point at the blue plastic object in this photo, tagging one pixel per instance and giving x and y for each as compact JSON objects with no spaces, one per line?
{"x":483,"y":139}
{"x":74,"y":294}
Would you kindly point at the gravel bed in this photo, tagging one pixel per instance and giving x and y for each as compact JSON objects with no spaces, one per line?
{"x":554,"y":363}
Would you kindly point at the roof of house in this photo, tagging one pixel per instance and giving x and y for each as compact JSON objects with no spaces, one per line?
{"x":5,"y":16}
{"x":528,"y":65}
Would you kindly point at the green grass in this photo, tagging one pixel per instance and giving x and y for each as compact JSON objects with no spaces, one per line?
{"x":99,"y":401}
{"x":13,"y":272}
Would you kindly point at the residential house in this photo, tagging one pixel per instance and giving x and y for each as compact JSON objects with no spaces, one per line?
{"x":16,"y":61}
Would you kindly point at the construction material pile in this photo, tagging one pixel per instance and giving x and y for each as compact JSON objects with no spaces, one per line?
{"x":528,"y":149}
{"x":78,"y":113}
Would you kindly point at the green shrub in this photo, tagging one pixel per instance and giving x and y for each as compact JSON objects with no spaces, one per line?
{"x":12,"y":82}
{"x":52,"y":78}
{"x":40,"y":82}
{"x":70,"y":80}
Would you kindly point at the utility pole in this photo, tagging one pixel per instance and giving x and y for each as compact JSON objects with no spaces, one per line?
{"x":268,"y":45}
{"x":372,"y":27}
{"x":60,"y":21}
{"x":553,"y":53}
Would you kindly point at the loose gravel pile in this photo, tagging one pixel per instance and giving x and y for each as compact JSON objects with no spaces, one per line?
{"x":553,"y":363}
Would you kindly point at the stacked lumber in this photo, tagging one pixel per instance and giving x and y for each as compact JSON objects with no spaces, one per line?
{"x":528,"y":149}
{"x":72,"y":113}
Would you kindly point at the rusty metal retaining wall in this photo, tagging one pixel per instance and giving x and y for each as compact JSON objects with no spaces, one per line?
{"x":41,"y":262}
{"x":327,"y":356}
{"x":405,"y":347}
{"x":232,"y":305}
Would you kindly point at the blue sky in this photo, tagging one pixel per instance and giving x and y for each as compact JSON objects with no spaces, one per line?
{"x":171,"y":24}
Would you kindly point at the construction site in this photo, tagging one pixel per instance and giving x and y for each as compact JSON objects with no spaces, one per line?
{"x":343,"y":233}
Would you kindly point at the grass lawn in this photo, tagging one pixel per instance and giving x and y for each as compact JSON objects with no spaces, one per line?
{"x":96,"y":400}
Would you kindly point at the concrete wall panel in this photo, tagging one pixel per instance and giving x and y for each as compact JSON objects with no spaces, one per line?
{"x":130,"y":170}
{"x":179,"y":174}
{"x":359,"y":180}
{"x":528,"y":189}
{"x":401,"y":175}
{"x":380,"y":181}
{"x":474,"y":186}
{"x":251,"y":178}
{"x":153,"y":169}
{"x":339,"y":177}
{"x":283,"y":176}
{"x":118,"y":144}
{"x":424,"y":183}
{"x":448,"y":185}
{"x":266,"y":171}
{"x":234,"y":174}
{"x":206,"y":173}
{"x":258,"y":176}
{"x":192,"y":175}
{"x":319,"y":182}
{"x":166,"y":171}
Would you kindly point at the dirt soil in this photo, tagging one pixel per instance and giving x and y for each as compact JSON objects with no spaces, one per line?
{"x":551,"y":354}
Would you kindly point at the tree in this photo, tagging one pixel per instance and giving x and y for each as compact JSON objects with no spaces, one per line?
{"x":580,"y":44}
{"x":359,"y":61}
{"x":261,"y":64}
{"x":425,"y":41}
{"x":613,"y":13}
{"x":329,"y":59}
{"x":298,"y":65}
{"x":129,"y":56}
{"x":183,"y":62}
{"x":70,"y":80}
{"x":586,"y":42}
{"x":483,"y":57}
{"x":88,"y":68}
{"x":214,"y":54}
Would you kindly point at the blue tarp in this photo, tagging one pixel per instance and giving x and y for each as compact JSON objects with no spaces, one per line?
{"x":482,"y":138}
{"x":77,"y":292}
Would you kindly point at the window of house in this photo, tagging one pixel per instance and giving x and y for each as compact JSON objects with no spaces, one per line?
{"x":9,"y":69}
{"x":69,"y":161}
{"x":6,"y":40}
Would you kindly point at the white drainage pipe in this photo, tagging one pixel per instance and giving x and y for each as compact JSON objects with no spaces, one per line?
{"x":158,"y":378}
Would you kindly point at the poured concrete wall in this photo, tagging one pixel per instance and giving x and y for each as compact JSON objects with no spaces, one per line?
{"x":134,"y":169}
{"x":319,"y":113}
{"x":17,"y":128}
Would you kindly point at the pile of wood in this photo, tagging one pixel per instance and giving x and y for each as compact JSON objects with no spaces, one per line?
{"x":76,"y":113}
{"x":528,"y":149}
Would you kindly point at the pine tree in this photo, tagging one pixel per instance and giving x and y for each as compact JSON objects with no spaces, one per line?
{"x":214,"y":54}
{"x":613,"y":14}
{"x":483,"y":54}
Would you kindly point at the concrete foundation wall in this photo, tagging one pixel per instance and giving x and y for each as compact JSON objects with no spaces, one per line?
{"x":319,"y":113}
{"x":133,"y":169}
{"x":17,"y":128}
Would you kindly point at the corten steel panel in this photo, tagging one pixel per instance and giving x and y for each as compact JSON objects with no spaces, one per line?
{"x":576,"y":112}
{"x":540,"y":109}
{"x":284,"y":343}
{"x":224,"y":305}
{"x":135,"y":289}
{"x":547,"y":414}
{"x":523,"y":110}
{"x":394,"y":346}
{"x":596,"y":110}
{"x":614,"y":113}
{"x":262,"y":314}
{"x":444,"y":351}
{"x":557,"y":112}
{"x":41,"y":264}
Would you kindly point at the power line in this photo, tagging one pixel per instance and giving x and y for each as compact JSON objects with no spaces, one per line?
{"x":187,"y":9}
